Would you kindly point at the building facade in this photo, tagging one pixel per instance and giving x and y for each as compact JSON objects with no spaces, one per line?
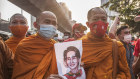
{"x":109,"y":13}
{"x":7,"y":9}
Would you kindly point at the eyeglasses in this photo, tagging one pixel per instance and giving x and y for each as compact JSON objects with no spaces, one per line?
{"x":127,"y":32}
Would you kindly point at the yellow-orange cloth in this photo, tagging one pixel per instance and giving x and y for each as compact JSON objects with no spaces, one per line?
{"x":13,"y":42}
{"x":34,"y":58}
{"x":97,"y":58}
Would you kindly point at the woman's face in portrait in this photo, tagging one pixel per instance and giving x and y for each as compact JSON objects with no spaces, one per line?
{"x":72,"y":61}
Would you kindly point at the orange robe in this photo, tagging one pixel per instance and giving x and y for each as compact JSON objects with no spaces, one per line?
{"x":6,"y":61}
{"x":13,"y":42}
{"x":97,"y":58}
{"x":34,"y":58}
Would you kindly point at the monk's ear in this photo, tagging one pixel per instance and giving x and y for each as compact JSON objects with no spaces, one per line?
{"x":87,"y":23}
{"x":36,"y":25}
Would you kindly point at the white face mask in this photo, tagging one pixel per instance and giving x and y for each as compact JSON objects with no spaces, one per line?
{"x":66,"y":37}
{"x":127,"y":38}
{"x":47,"y":31}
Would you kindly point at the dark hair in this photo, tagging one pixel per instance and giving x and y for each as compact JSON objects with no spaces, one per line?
{"x":71,"y":48}
{"x":120,"y":29}
{"x":90,"y":12}
{"x":67,"y":33}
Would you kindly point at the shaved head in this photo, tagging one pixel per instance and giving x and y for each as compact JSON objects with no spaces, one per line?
{"x":46,"y":14}
{"x":17,"y":16}
{"x":18,"y":19}
{"x":46,"y":18}
{"x":96,"y":10}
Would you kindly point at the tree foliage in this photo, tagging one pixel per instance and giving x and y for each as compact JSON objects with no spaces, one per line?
{"x":127,"y":9}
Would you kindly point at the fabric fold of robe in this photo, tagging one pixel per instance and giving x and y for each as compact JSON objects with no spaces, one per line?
{"x":6,"y":61}
{"x":98,"y":61}
{"x":34,"y":58}
{"x":13,"y":42}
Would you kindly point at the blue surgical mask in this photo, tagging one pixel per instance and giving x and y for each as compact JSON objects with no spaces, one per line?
{"x":47,"y":31}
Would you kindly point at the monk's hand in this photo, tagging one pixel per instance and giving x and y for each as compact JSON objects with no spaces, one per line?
{"x":55,"y":76}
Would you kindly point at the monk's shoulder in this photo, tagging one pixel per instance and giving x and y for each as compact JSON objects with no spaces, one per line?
{"x":121,"y":48}
{"x":26,"y":41}
{"x":119,"y":44}
{"x":84,"y":39}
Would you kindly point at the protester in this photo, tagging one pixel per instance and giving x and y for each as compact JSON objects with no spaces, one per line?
{"x":6,"y":61}
{"x":124,"y":36}
{"x":97,"y":49}
{"x":136,"y":63}
{"x":78,"y":31}
{"x":35,"y":56}
{"x":18,"y":26}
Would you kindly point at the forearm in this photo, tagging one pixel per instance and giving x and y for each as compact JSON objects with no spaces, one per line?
{"x":113,"y":30}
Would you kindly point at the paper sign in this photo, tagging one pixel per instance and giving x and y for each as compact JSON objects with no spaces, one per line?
{"x":68,"y":56}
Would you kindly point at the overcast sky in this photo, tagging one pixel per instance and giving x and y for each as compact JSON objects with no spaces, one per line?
{"x":79,"y":8}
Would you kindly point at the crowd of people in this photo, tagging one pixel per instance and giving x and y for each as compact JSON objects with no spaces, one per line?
{"x":106,"y":55}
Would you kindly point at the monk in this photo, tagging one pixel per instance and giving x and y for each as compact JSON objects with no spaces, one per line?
{"x":6,"y":61}
{"x":18,"y":26}
{"x":35,"y":56}
{"x":97,"y":49}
